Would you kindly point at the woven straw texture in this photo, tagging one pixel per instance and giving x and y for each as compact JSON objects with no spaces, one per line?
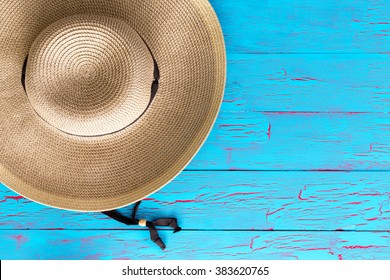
{"x":80,"y":130}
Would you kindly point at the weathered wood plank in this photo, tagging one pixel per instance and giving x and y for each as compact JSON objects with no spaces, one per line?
{"x":237,"y":201}
{"x":103,"y":244}
{"x":301,"y":26}
{"x":297,"y":141}
{"x":308,"y":83}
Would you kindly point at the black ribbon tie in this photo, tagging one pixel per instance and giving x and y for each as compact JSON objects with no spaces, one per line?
{"x":168,"y":222}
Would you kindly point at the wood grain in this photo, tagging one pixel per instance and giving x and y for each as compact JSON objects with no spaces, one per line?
{"x":135,"y":244}
{"x":297,"y":141}
{"x":307,"y":83}
{"x":301,"y":26}
{"x":236,"y":201}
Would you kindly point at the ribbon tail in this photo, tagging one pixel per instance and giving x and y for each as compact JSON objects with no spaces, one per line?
{"x":154,"y":235}
{"x":168,"y":222}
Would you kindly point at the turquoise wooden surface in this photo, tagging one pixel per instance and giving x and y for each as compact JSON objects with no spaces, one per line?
{"x":296,"y":167}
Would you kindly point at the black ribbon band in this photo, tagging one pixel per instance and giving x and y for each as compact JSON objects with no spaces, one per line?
{"x":169,"y":222}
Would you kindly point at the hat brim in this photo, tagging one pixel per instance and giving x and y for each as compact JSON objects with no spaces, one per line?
{"x":111,"y":171}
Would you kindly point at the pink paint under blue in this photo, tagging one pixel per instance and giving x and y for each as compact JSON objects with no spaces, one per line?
{"x":296,"y":167}
{"x":16,"y":198}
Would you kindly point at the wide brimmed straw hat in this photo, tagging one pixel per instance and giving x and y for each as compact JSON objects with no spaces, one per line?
{"x":103,"y":102}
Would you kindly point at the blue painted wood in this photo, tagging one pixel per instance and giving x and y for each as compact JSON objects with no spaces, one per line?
{"x":297,"y":141}
{"x":307,"y":89}
{"x":302,"y":26}
{"x":209,"y":200}
{"x":308,"y":83}
{"x":130,"y":244}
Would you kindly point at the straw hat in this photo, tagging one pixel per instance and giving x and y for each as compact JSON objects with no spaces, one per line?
{"x":104,"y":102}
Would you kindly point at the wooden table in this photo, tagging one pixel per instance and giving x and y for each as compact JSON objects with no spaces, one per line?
{"x":296,"y":167}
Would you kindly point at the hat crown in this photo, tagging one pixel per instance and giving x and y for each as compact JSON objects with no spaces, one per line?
{"x":89,"y":75}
